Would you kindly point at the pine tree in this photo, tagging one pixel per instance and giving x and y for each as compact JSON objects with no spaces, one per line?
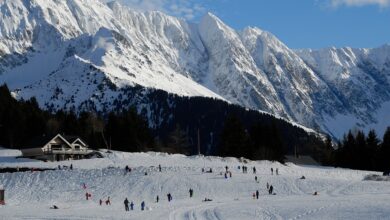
{"x":360,"y":159}
{"x":384,"y":151}
{"x":372,"y":150}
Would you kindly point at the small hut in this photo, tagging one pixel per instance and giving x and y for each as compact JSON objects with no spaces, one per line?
{"x":2,"y":199}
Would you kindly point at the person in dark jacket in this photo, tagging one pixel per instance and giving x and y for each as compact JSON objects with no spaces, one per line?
{"x":257,"y":194}
{"x":191,"y":192}
{"x":169,"y":197}
{"x":157,"y":199}
{"x":271,"y":190}
{"x":143,"y":205}
{"x":126,"y":202}
{"x":132,"y":206}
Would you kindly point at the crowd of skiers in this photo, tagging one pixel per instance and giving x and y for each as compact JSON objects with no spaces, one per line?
{"x":130,"y":205}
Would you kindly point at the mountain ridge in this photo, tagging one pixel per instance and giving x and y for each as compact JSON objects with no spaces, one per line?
{"x":92,"y":48}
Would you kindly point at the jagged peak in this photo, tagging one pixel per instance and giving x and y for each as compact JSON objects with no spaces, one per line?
{"x":210,"y":18}
{"x":252,"y":30}
{"x":114,"y":4}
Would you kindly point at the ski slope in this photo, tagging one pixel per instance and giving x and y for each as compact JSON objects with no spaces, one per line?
{"x":342,"y":193}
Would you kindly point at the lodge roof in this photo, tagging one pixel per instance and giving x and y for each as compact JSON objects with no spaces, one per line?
{"x":41,"y":141}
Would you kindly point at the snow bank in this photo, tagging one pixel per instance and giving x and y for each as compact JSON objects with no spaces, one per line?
{"x":376,"y":177}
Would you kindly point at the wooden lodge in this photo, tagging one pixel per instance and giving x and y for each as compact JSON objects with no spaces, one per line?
{"x":57,"y":148}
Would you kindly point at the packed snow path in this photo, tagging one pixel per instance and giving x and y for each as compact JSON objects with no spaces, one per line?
{"x":342,"y":193}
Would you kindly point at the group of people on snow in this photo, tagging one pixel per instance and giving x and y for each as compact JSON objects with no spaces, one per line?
{"x":130,"y":205}
{"x":276,"y":171}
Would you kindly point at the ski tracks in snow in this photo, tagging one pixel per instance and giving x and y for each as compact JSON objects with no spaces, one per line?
{"x":202,"y":211}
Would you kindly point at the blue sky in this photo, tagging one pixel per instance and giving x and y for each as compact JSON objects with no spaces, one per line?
{"x":298,"y":23}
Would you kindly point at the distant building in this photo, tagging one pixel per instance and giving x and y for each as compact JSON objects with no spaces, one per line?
{"x":56,"y":148}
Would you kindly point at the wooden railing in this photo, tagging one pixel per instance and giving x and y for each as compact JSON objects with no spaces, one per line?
{"x":66,"y":151}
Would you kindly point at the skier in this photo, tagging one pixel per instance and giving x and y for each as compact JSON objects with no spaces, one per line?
{"x":159,"y":168}
{"x":230,"y":174}
{"x":86,"y":195}
{"x":169,"y":197}
{"x":126,"y":202}
{"x":277,"y":171}
{"x":315,"y":193}
{"x":254,"y":170}
{"x":257,"y":194}
{"x":254,"y":195}
{"x":126,"y":169}
{"x":84,"y":186}
{"x":191,"y":192}
{"x":71,"y":166}
{"x":271,"y":189}
{"x":108,"y":202}
{"x":146,"y":173}
{"x":143,"y":205}
{"x":272,"y":171}
{"x":100,"y":202}
{"x":157,"y":199}
{"x":267,"y":186}
{"x":256,"y":178}
{"x":303,"y":177}
{"x":132,"y":205}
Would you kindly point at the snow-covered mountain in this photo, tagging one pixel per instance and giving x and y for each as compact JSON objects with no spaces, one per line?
{"x":81,"y":54}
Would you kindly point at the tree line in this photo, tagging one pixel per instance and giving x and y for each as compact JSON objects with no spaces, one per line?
{"x":222,"y":129}
{"x":365,"y":152}
{"x":22,"y":121}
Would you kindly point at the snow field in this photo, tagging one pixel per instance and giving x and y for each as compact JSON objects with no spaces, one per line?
{"x":342,"y":193}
